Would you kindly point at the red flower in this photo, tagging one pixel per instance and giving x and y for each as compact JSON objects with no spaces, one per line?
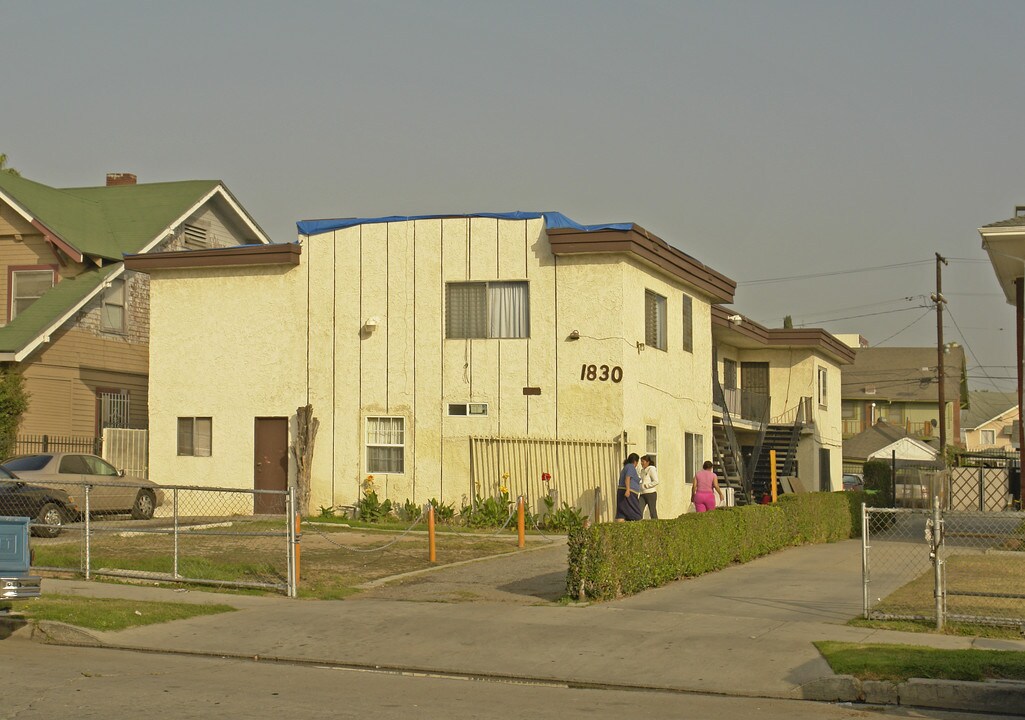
{"x":546,"y":477}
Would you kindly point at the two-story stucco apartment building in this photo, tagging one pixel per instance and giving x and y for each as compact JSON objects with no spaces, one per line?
{"x":445,"y":356}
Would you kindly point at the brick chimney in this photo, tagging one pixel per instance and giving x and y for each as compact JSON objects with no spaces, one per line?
{"x":120,"y":179}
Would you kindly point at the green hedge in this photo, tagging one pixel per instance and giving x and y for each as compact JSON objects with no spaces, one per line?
{"x":613,"y":559}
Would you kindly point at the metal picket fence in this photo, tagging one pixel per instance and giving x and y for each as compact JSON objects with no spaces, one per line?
{"x":227,"y":537}
{"x":940,"y":565}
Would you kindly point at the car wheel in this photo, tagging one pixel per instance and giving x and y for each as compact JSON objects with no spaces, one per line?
{"x":50,"y":514}
{"x":145,"y":504}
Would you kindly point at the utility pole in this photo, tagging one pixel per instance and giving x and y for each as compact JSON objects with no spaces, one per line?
{"x":941,"y":374}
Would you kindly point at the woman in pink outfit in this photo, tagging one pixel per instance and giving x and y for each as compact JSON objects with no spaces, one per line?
{"x":704,"y":483}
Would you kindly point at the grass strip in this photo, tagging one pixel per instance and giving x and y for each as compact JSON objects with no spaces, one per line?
{"x":897,"y":663}
{"x":108,"y":614}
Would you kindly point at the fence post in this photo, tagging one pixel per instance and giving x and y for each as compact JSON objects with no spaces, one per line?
{"x":520,"y":524}
{"x":46,"y":443}
{"x":174,"y":506}
{"x":937,"y":542}
{"x":864,"y":559}
{"x":597,"y":504}
{"x":432,"y":556}
{"x":88,"y":559}
{"x":772,"y":473}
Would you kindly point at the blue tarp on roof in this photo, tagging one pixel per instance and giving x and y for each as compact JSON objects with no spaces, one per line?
{"x":553,"y":220}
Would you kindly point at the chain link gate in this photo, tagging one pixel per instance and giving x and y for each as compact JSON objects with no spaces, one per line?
{"x":943,"y":565}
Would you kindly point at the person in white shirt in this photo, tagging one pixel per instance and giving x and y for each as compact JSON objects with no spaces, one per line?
{"x":649,"y":486}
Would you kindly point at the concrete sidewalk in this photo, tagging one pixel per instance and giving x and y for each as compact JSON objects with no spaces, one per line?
{"x":745,"y":631}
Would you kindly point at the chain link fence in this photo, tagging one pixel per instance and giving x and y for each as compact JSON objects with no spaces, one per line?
{"x":198,"y":535}
{"x":944,"y":565}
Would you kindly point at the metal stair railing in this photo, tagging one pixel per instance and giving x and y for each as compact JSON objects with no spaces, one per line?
{"x":731,"y":436}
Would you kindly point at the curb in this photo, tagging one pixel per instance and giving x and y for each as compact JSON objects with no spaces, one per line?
{"x":1006,"y":697}
{"x":48,"y":632}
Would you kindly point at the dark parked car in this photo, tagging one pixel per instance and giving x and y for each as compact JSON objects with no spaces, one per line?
{"x":111,"y":491}
{"x":50,"y":508}
{"x":853,"y":481}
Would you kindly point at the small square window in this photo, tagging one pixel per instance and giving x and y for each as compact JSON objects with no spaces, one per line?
{"x":195,"y":436}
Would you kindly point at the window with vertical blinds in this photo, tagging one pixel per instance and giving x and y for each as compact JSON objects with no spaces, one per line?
{"x":654,"y":320}
{"x":688,"y":323}
{"x":487,"y":310}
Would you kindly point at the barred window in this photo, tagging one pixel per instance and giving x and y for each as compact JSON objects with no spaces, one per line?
{"x":386,"y":443}
{"x":195,"y":436}
{"x":496,"y":309}
{"x":654,"y":320}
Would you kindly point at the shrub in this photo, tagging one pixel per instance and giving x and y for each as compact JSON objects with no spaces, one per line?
{"x":612,"y":559}
{"x":13,"y":404}
{"x":878,"y":484}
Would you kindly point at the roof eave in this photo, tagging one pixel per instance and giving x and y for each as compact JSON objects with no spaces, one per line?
{"x":222,"y":191}
{"x":49,"y":235}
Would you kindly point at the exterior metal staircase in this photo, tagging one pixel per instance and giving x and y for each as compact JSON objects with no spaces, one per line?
{"x":728,"y":462}
{"x":782,"y":438}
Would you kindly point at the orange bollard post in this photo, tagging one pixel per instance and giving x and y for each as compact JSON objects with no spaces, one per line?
{"x":772,"y":472}
{"x":298,"y":535}
{"x":431,"y":553}
{"x":520,"y":524}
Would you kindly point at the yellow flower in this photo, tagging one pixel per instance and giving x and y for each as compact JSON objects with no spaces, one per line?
{"x":503,"y":489}
{"x":505,"y":475}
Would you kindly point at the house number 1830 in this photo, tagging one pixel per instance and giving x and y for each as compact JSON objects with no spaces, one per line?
{"x":602,"y":373}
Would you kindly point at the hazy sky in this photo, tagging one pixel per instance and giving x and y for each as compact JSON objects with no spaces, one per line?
{"x":767,"y":138}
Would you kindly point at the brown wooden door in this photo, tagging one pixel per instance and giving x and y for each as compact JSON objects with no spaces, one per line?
{"x":270,"y":464}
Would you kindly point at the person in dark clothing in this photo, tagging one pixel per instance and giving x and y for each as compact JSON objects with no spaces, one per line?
{"x":628,"y":506}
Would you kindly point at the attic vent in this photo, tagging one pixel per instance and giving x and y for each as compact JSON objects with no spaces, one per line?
{"x":195,"y":237}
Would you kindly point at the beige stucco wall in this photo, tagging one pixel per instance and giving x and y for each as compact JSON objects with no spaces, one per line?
{"x":793,"y":375}
{"x":239,"y":343}
{"x":405,"y":367}
{"x":230,"y":346}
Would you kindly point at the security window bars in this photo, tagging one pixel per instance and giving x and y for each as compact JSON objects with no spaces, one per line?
{"x":27,"y":286}
{"x":195,"y":436}
{"x":729,"y":374}
{"x":114,"y":410}
{"x":654,"y":320}
{"x":688,"y":323}
{"x":386,"y":444}
{"x":112,"y":307}
{"x":487,"y":310}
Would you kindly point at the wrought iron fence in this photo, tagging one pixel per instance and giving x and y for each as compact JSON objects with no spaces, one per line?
{"x":27,"y":444}
{"x":195,"y":535}
{"x":941,"y":565}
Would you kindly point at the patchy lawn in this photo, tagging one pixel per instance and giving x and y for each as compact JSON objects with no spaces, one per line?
{"x":897,"y":663}
{"x":108,"y":614}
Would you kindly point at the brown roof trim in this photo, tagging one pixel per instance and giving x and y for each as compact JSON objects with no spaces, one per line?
{"x":649,"y":247}
{"x":785,"y":337}
{"x":235,"y":256}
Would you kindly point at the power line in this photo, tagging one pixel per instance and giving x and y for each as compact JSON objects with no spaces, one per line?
{"x":853,"y":317}
{"x":965,"y":341}
{"x":808,"y":276}
{"x":920,"y":317}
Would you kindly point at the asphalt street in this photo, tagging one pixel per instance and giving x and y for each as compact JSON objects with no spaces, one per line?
{"x":45,"y":682}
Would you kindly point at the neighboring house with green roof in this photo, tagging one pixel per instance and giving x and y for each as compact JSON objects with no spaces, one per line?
{"x":988,"y":422}
{"x":76,"y":323}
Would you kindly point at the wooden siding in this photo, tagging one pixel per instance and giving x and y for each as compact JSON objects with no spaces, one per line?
{"x":63,"y":376}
